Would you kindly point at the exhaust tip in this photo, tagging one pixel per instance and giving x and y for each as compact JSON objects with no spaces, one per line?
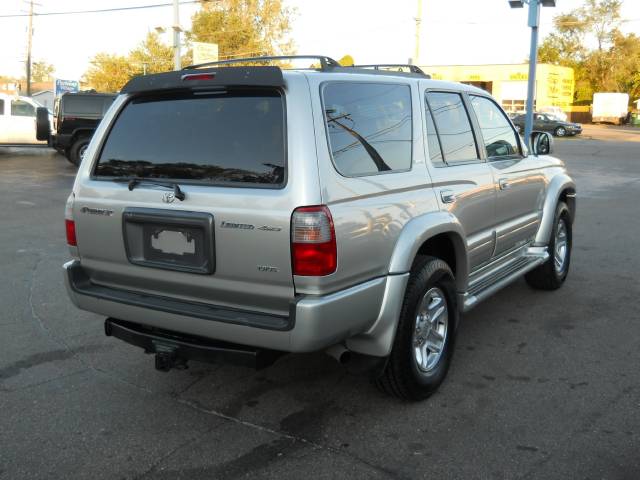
{"x":339,"y":353}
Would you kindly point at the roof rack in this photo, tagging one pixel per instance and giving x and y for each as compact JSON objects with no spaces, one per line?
{"x":326,"y":63}
{"x":385,"y":66}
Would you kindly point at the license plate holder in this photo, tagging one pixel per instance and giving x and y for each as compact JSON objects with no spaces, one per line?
{"x":170,"y":240}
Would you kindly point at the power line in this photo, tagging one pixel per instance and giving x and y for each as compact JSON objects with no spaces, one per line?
{"x":103,"y":10}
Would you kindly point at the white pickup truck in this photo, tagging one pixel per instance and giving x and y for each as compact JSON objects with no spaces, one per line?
{"x":18,"y":121}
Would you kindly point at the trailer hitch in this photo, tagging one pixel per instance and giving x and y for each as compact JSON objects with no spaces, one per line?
{"x":167,"y":357}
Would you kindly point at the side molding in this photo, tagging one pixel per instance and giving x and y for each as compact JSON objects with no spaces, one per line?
{"x":558,"y":184}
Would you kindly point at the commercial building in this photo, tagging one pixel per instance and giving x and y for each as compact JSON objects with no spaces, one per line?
{"x":508,"y":83}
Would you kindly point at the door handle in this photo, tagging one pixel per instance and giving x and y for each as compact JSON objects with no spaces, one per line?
{"x":504,"y":184}
{"x":447,"y":196}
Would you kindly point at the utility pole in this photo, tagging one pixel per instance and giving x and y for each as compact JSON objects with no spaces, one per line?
{"x":29,"y":38}
{"x":533,"y":22}
{"x":176,"y":36}
{"x":416,"y":52}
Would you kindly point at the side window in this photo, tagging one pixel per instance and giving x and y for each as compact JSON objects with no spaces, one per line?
{"x":453,"y":127}
{"x":21,"y":108}
{"x":435,"y":151}
{"x":499,"y":137}
{"x":369,"y":127}
{"x":1,"y":107}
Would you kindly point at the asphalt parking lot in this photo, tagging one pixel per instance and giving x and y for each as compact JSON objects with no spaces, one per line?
{"x":543,"y":385}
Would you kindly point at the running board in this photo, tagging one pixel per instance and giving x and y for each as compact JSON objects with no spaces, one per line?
{"x":493,"y":281}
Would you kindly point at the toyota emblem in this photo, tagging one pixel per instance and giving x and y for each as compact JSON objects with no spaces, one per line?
{"x":168,"y":197}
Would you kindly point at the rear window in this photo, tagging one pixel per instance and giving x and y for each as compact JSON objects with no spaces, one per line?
{"x":227,"y":138}
{"x":86,"y":104}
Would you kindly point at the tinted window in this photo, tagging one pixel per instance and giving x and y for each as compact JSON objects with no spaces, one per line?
{"x":435,"y":151}
{"x":499,"y":137}
{"x":369,"y":127}
{"x":1,"y":107}
{"x":84,"y":104}
{"x":20,"y":108}
{"x":221,"y":139}
{"x":454,"y":127}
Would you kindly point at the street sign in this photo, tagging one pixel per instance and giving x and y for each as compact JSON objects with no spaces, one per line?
{"x":63,"y":86}
{"x":204,"y":52}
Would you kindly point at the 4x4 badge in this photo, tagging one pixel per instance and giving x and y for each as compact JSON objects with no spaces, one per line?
{"x":168,"y":197}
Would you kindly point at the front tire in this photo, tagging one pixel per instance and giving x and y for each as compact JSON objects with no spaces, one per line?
{"x":424,"y":341}
{"x":560,"y":132}
{"x":552,"y":273}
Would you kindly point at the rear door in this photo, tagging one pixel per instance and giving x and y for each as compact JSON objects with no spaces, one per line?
{"x":228,"y":241}
{"x":519,"y":183}
{"x":462,"y":179}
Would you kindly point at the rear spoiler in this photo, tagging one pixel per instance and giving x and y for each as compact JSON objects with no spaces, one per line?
{"x":207,"y":77}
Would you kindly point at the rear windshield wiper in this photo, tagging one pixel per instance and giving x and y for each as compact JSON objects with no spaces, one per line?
{"x":373,"y":153}
{"x":133,"y":182}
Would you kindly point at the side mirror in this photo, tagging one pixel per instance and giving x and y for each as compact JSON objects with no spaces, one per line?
{"x":541,"y":143}
{"x":43,"y":128}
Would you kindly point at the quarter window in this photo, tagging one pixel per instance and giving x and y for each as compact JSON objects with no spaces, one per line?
{"x":369,"y":127}
{"x":20,"y":108}
{"x":499,"y":137}
{"x":453,"y":127}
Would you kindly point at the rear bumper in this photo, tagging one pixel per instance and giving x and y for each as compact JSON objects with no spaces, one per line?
{"x":314,"y":322}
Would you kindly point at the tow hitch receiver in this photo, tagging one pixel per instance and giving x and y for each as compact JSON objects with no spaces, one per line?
{"x":174,"y":350}
{"x":167,"y":357}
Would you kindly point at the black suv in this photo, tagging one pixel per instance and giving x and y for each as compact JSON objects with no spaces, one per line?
{"x":75,"y":117}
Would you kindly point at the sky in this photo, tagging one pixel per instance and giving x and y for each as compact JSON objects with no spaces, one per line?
{"x":371,"y":31}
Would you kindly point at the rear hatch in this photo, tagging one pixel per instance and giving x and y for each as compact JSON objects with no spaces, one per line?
{"x":227,"y":241}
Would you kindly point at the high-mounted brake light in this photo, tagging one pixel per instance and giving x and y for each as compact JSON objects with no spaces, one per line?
{"x":198,"y":76}
{"x":313,"y":242}
{"x":70,"y":227}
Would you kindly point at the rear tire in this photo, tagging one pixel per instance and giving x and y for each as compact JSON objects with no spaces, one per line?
{"x":77,"y":150}
{"x":424,"y":340}
{"x":552,"y":273}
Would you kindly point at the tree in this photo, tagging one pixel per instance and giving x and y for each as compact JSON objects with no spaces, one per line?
{"x":41,"y":71}
{"x":109,"y":73}
{"x":611,"y":66}
{"x":151,"y":56}
{"x":244,"y":28}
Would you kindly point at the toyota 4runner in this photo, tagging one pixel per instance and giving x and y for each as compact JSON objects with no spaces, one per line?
{"x":234,"y":213}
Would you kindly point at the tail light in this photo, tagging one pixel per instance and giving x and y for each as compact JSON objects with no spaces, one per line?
{"x":313,"y":242}
{"x":71,"y":232}
{"x":69,"y":224}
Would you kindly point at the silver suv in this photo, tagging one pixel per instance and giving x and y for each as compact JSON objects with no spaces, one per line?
{"x":235,"y":213}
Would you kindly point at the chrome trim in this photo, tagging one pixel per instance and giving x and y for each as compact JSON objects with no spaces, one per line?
{"x":503,"y":276}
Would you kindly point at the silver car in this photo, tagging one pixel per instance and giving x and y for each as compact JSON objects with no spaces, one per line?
{"x":236,"y":213}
